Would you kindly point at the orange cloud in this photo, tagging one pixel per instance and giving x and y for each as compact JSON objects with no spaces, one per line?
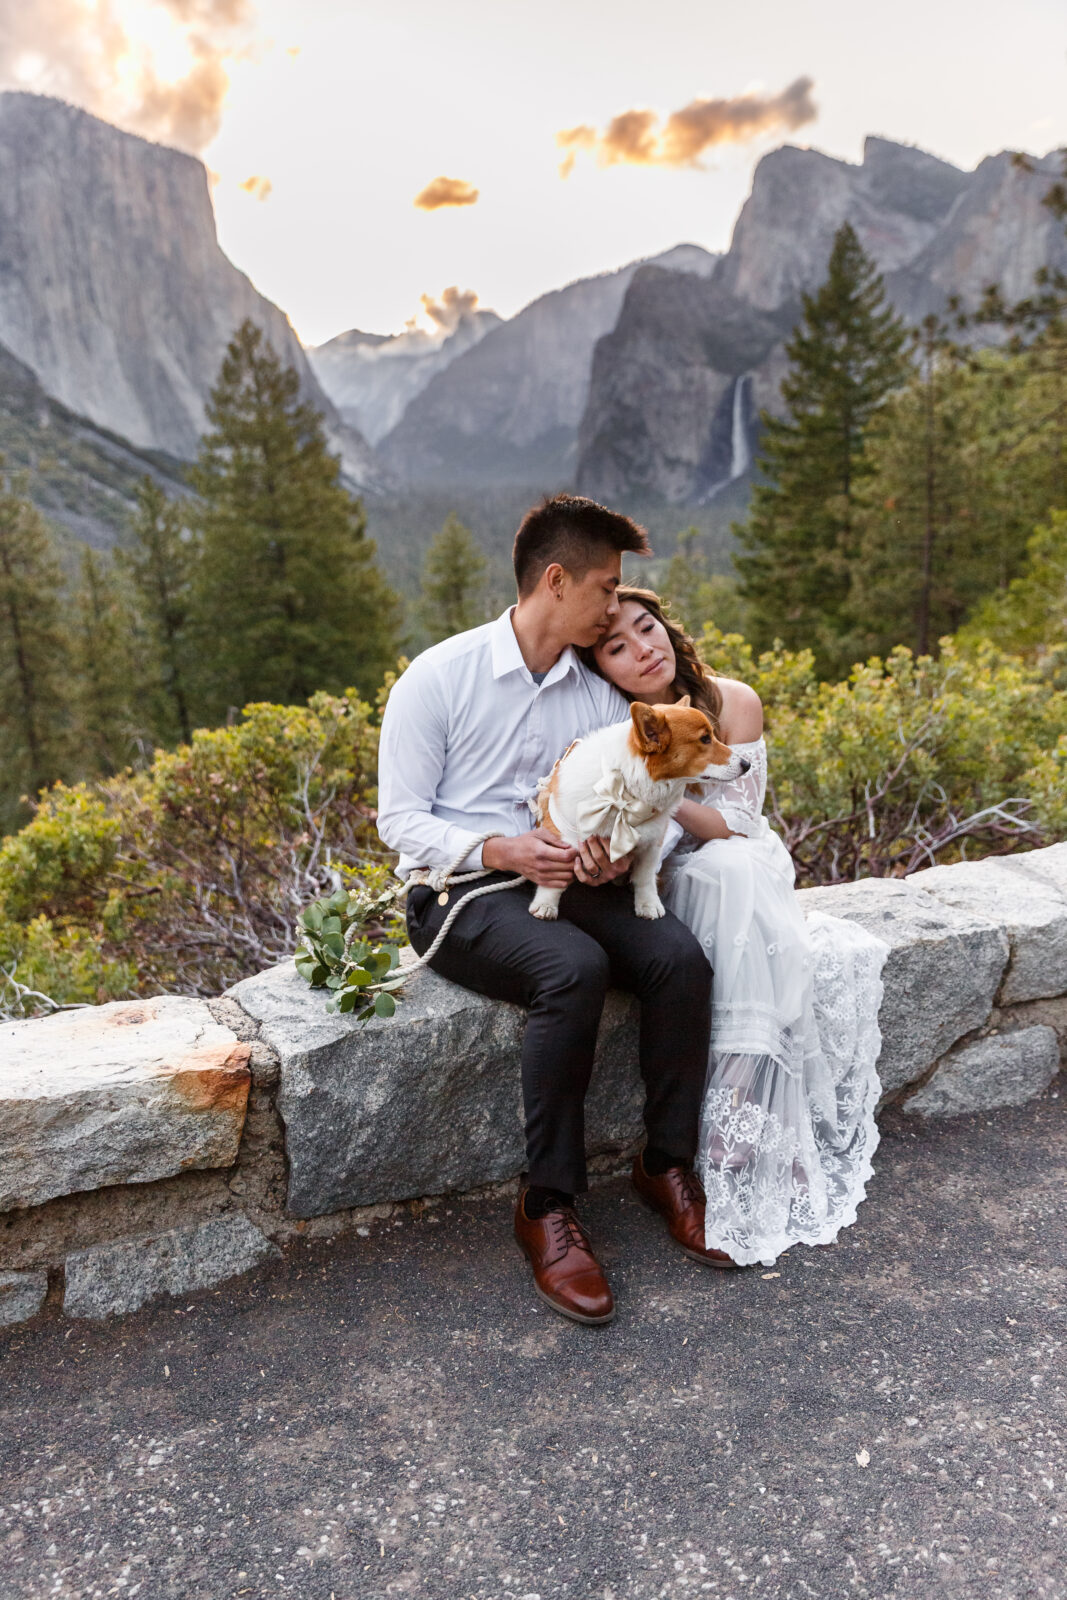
{"x":638,"y":138}
{"x":448,"y":312}
{"x":91,"y":52}
{"x":259,"y":188}
{"x":446,"y":192}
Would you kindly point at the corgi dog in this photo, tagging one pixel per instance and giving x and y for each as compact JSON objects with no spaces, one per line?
{"x":623,"y":783}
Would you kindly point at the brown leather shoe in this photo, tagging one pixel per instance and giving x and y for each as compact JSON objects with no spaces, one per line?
{"x":679,"y":1196}
{"x":567,"y":1274}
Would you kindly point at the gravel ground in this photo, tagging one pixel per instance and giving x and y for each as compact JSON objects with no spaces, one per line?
{"x":398,"y":1414}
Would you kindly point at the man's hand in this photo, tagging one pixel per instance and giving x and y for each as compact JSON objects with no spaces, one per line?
{"x":594,"y":865}
{"x":539,"y":855}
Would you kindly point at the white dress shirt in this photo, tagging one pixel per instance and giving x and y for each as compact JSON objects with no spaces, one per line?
{"x":467,"y":734}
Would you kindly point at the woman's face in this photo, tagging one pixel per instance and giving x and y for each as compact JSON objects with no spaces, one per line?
{"x":637,"y":655}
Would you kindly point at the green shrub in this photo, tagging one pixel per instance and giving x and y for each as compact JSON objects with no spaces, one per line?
{"x":192,"y":874}
{"x":909,"y":760}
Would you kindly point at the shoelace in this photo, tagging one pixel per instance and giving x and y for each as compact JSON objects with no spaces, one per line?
{"x":567,"y":1231}
{"x":692,"y":1192}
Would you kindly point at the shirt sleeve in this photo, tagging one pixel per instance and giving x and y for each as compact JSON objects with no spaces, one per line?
{"x":411,"y":759}
{"x":611,"y":705}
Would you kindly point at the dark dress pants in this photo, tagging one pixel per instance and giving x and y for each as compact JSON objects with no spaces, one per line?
{"x":560,"y":971}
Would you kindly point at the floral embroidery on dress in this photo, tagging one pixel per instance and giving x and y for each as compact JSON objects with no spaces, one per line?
{"x":787,"y":1127}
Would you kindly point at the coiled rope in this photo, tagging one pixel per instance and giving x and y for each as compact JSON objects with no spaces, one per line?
{"x":441,"y":880}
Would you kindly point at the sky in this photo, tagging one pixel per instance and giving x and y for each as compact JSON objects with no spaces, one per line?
{"x":323,"y":123}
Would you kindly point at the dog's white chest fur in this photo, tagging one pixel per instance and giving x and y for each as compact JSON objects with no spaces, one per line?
{"x":622,"y":783}
{"x":602,"y":788}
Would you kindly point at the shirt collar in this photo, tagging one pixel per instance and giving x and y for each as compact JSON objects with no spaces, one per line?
{"x":507,"y":657}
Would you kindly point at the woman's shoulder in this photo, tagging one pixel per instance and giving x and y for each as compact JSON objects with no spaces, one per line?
{"x":741,"y":720}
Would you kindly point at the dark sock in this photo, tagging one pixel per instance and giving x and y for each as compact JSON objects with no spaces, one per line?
{"x":656,"y":1162}
{"x":539,"y":1201}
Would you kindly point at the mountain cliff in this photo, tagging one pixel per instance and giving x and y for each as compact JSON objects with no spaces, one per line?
{"x":371,"y":377}
{"x":508,"y":410}
{"x":113,"y":288}
{"x":677,"y":385}
{"x":81,"y":477}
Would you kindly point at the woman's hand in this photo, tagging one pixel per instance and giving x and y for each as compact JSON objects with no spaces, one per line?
{"x":594,"y":865}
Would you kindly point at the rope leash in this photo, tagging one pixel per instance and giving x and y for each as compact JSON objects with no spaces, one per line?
{"x":441,"y":879}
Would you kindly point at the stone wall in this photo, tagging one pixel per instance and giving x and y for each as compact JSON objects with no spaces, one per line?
{"x":161,"y":1145}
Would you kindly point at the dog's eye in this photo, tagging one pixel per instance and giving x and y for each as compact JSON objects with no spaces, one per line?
{"x":705,"y":738}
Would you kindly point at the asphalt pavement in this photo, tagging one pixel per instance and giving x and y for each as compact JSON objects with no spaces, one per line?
{"x":398,"y":1415}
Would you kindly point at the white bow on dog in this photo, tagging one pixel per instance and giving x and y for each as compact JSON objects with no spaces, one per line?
{"x":612,"y":806}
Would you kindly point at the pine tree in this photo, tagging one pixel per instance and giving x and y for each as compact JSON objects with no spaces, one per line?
{"x":160,"y":561}
{"x":288,"y":597}
{"x":103,"y":671}
{"x":34,"y":656}
{"x":697,"y":596}
{"x":1029,"y":618}
{"x":963,"y":464}
{"x":453,"y":595}
{"x":800,"y":539}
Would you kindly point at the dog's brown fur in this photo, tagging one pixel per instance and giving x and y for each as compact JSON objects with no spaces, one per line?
{"x":675,"y":741}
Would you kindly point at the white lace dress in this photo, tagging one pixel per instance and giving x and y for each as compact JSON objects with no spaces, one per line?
{"x":787,"y":1129}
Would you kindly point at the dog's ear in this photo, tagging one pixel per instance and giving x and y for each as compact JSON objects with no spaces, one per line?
{"x":650,"y":725}
{"x":684,"y":701}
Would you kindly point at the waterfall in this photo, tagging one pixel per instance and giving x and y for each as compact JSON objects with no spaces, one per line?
{"x":740,"y":454}
{"x":740,"y":450}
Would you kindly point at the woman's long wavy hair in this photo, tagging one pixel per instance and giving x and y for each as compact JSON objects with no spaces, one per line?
{"x":691,"y":677}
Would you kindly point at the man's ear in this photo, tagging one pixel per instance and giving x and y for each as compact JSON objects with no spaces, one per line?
{"x":554,"y":578}
{"x":650,"y":726}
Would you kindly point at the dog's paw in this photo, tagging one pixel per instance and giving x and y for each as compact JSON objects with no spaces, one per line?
{"x":548,"y":910}
{"x":650,"y":906}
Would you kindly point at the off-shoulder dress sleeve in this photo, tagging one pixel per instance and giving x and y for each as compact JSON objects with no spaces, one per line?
{"x":740,"y":802}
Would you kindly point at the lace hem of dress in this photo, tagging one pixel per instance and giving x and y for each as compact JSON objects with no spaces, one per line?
{"x":787,"y":1128}
{"x":750,"y":1245}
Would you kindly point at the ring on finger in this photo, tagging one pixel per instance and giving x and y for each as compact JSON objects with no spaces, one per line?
{"x":595,"y":875}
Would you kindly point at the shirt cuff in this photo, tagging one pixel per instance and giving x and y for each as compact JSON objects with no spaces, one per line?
{"x":472,"y":861}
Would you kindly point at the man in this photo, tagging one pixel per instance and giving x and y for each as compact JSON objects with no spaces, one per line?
{"x":468,"y":731}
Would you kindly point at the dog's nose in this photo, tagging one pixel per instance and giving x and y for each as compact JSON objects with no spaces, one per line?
{"x":745,"y":765}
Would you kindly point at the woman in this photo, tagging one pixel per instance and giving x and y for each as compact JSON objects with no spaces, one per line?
{"x":787,"y":1127}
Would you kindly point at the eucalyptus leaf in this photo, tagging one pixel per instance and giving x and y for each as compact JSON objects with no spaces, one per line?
{"x":384,"y":1005}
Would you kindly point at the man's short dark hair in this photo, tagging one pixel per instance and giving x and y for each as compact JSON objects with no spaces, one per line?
{"x":576,"y":533}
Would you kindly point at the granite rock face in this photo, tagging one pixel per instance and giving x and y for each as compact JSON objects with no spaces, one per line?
{"x":426,"y":1103}
{"x":943,"y":970}
{"x":21,"y":1295}
{"x":652,"y":417}
{"x":373,"y":378}
{"x":1026,"y":905}
{"x":119,"y":1093}
{"x":896,"y":200}
{"x":662,"y":416}
{"x":508,"y":410}
{"x":1004,"y":1069}
{"x":120,"y":1277}
{"x":113,"y":288}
